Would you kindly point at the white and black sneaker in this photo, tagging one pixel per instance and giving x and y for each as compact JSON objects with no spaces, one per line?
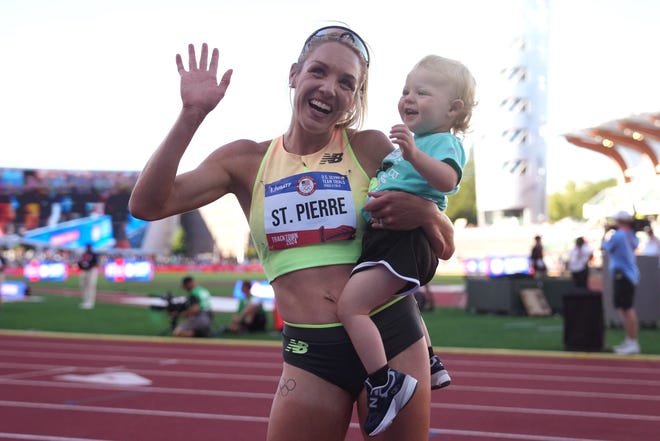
{"x":384,"y":402}
{"x":439,"y":376}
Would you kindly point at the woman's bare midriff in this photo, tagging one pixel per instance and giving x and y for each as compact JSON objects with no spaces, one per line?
{"x":310,"y":296}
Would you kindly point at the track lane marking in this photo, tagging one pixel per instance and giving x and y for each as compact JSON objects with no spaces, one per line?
{"x":32,"y":437}
{"x":135,"y":411}
{"x":546,"y":412}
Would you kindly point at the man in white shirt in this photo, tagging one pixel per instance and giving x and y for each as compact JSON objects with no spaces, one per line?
{"x":578,"y":263}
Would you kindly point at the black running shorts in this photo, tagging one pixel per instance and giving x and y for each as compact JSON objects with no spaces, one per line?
{"x":327,"y":351}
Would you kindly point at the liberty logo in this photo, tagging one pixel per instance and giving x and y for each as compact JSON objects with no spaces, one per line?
{"x":331,"y":158}
{"x":296,"y":346}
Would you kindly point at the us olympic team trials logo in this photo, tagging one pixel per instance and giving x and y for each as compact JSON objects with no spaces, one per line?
{"x":306,"y":185}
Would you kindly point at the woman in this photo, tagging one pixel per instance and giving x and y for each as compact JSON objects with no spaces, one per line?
{"x":302,"y":193}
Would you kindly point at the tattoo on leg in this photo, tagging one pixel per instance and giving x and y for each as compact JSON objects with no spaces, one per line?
{"x":286,"y":386}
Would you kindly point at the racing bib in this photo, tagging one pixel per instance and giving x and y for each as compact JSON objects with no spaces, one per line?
{"x":308,"y":208}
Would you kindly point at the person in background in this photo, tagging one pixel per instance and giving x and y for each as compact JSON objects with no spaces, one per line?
{"x":89,"y":274}
{"x":7,"y":212}
{"x":3,"y":269}
{"x":620,"y":242}
{"x":652,"y":245}
{"x":539,"y":268}
{"x":322,"y":157}
{"x":578,"y":263}
{"x":425,"y":298}
{"x":198,"y":314}
{"x":250,"y":315}
{"x":435,"y":106}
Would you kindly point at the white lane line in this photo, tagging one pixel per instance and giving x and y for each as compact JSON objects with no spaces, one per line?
{"x":123,"y":359}
{"x":31,"y":437}
{"x":45,"y":371}
{"x":134,"y":411}
{"x":499,"y":435}
{"x":558,"y":379}
{"x":143,"y":389}
{"x":270,"y":349}
{"x":148,"y":372}
{"x":546,"y":412}
{"x":555,"y":392}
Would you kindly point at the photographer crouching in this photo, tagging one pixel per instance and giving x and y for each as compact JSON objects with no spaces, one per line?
{"x":198,"y":313}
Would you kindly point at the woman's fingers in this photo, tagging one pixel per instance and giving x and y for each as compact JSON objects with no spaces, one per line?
{"x":192,"y":59}
{"x":204,"y":59}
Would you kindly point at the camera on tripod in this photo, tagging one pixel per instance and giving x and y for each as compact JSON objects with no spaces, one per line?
{"x":174,"y":306}
{"x":171,"y":304}
{"x":636,"y":223}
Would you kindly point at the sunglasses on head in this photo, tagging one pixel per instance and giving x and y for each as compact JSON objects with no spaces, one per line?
{"x":341,"y":33}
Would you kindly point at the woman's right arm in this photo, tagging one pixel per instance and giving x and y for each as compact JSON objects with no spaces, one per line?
{"x":159,"y":192}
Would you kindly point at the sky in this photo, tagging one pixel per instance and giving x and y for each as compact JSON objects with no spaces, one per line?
{"x":93,"y":85}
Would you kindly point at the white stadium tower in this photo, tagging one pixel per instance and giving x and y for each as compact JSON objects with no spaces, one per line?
{"x":510,"y":156}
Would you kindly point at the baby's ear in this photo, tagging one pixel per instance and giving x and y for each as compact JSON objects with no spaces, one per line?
{"x":456,"y":105}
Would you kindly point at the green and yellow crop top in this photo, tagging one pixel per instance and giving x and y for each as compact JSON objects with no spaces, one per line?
{"x":305,"y":210}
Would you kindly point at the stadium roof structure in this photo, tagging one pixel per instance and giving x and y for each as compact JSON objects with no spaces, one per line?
{"x":639,"y":198}
{"x":616,"y":139}
{"x":624,"y":140}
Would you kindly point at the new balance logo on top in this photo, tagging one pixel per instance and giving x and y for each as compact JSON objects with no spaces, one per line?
{"x":331,"y":158}
{"x":296,"y":346}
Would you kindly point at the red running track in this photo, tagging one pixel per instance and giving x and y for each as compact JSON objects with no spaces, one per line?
{"x":55,"y":387}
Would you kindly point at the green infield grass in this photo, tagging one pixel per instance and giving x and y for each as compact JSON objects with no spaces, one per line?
{"x":53,"y":307}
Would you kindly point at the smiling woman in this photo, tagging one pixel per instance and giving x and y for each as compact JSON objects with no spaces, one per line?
{"x":302,"y":193}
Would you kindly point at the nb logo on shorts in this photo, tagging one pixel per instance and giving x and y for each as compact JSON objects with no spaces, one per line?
{"x":296,"y":346}
{"x":331,"y":158}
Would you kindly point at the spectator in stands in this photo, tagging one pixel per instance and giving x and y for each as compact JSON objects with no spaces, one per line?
{"x":198,"y":313}
{"x":27,"y":213}
{"x":7,"y":214}
{"x":88,"y":265}
{"x":250,"y":316}
{"x":78,"y":202}
{"x":116,"y":205}
{"x":46,"y":201}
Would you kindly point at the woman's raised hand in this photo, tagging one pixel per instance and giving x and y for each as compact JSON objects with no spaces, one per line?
{"x":199,"y":84}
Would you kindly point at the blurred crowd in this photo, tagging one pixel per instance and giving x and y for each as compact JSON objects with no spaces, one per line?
{"x":31,"y":199}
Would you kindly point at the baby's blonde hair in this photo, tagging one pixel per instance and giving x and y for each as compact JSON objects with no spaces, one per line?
{"x":461,"y":80}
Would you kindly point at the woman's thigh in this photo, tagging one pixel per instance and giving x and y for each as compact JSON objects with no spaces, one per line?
{"x":412,"y":423}
{"x":307,"y":407}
